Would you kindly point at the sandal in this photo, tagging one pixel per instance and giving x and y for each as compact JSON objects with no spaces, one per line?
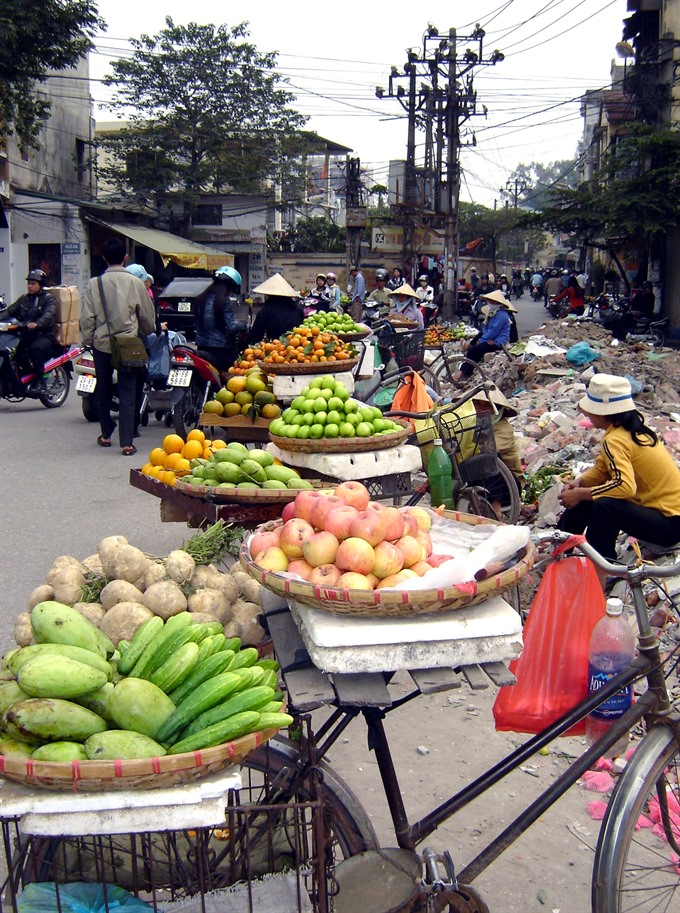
{"x":104,"y":441}
{"x":131,"y":450}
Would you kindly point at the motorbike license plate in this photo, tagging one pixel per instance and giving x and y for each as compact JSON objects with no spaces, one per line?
{"x":184,"y":307}
{"x":179,"y":377}
{"x":86,"y":383}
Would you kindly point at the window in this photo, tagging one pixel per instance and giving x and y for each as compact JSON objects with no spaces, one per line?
{"x":46,"y":257}
{"x":81,"y":164}
{"x":209,"y":214}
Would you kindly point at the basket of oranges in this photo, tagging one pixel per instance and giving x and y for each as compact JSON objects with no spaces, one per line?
{"x":308,"y":350}
{"x":172,"y":459}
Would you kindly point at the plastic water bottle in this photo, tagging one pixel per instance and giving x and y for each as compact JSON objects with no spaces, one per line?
{"x":612,"y":647}
{"x":440,"y":474}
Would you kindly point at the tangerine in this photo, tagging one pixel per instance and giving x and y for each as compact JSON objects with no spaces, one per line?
{"x":172,"y":443}
{"x":196,"y":435}
{"x":157,"y":456}
{"x":168,"y":477}
{"x":147,"y":469}
{"x":192,"y":449}
{"x":218,"y":444}
{"x":207,"y":453}
{"x":183,"y":467}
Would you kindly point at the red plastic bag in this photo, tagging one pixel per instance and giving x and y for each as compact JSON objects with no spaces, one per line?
{"x":552,"y":672}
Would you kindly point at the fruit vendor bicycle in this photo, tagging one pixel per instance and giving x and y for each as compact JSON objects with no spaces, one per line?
{"x":634,"y":870}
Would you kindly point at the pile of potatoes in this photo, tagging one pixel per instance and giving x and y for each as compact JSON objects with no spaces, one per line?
{"x":139,"y":587}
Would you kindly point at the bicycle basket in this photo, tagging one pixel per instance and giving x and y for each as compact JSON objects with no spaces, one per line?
{"x":407,"y":349}
{"x":471,"y":440}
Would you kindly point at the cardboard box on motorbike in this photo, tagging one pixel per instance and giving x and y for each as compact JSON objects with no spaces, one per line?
{"x":68,"y":313}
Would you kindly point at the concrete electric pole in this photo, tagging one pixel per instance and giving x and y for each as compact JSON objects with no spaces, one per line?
{"x":438,"y":101}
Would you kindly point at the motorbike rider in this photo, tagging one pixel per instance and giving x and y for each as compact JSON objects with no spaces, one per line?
{"x":319,"y":296}
{"x":397,"y":279}
{"x":482,"y":289}
{"x":37,"y":310}
{"x":552,"y":286}
{"x":378,"y":302}
{"x":216,"y":326}
{"x":574,"y":293}
{"x":334,"y":292}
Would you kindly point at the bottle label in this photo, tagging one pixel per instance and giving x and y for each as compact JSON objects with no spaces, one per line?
{"x":617,"y":704}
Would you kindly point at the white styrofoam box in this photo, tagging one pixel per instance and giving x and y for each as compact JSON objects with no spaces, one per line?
{"x":489,"y":632}
{"x":198,"y":803}
{"x":354,"y":466}
{"x":287,"y":386}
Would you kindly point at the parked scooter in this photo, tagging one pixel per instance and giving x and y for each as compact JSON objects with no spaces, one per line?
{"x":195,"y":380}
{"x":17,"y":380}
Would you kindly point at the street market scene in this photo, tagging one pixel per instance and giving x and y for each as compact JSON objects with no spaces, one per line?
{"x":341,"y":516}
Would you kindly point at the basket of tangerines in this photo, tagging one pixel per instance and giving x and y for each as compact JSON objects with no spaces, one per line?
{"x":308,"y":350}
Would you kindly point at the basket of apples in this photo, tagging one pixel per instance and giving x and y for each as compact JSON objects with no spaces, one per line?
{"x":343,"y":553}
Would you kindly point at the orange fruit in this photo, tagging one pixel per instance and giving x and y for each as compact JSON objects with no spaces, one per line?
{"x":183,"y":467}
{"x":168,"y":477}
{"x":192,"y":449}
{"x":157,"y":456}
{"x":172,"y":443}
{"x":172,"y":460}
{"x":157,"y":472}
{"x":218,"y":444}
{"x":196,"y":435}
{"x":147,"y":469}
{"x":207,"y":453}
{"x":236,"y":384}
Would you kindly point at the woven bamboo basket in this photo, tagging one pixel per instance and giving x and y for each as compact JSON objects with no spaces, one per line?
{"x":321,"y":367}
{"x":344,"y":444}
{"x":353,"y":337}
{"x":141,"y":773}
{"x":391,"y":603}
{"x":245,"y":495}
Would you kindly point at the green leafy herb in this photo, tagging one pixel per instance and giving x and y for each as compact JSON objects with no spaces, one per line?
{"x":212,"y":543}
{"x":94,"y":584}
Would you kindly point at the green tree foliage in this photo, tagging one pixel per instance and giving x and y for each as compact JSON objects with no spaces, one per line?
{"x":311,"y":235}
{"x":36,"y":38}
{"x":502,"y":229}
{"x":634,"y":194}
{"x":206,"y":112}
{"x":537,"y":180}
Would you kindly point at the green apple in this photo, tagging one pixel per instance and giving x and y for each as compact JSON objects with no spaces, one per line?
{"x":289,"y":415}
{"x":334,"y":417}
{"x":346,"y":430}
{"x":303,"y":432}
{"x":298,"y":420}
{"x":353,"y":419}
{"x":335,"y":403}
{"x":315,"y":384}
{"x":378,"y":425}
{"x":366,"y":414}
{"x":308,"y":417}
{"x":351,"y":405}
{"x":364,"y":429}
{"x":309,"y":404}
{"x":291,"y":430}
{"x":332,"y":430}
{"x":328,"y":382}
{"x":298,"y":403}
{"x":316,"y":431}
{"x":320,"y":404}
{"x":326,"y":393}
{"x":321,"y":417}
{"x":376,"y":412}
{"x":341,"y":391}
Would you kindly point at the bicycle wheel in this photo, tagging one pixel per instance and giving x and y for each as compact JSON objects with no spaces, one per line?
{"x":639,"y":869}
{"x":430,"y":378}
{"x":497,"y":492}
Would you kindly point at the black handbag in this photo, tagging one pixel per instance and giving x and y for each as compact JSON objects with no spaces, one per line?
{"x":127,"y":352}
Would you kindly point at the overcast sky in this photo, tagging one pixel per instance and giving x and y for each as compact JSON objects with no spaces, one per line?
{"x":334,"y":55}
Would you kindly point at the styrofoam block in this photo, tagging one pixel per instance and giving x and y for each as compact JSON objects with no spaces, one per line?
{"x":354,"y":466}
{"x":288,"y":386}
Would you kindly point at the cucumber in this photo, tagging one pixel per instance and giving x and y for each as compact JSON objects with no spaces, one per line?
{"x":272,"y":707}
{"x":246,"y":657}
{"x":275,"y":721}
{"x":233,"y":728}
{"x":208,"y":694}
{"x":144,"y":634}
{"x":269,"y":664}
{"x":209,"y":668}
{"x":176,"y":669}
{"x":233,"y":643}
{"x":252,"y":699}
{"x":166,"y":650}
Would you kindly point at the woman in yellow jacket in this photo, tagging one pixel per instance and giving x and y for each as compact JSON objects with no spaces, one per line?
{"x":634,"y":485}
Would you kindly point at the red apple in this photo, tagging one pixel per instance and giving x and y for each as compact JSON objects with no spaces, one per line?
{"x":353,"y":493}
{"x":300,"y":568}
{"x":373,"y":580}
{"x":353,"y":581}
{"x":422,"y":517}
{"x":392,"y":580}
{"x":304,"y":502}
{"x":288,"y":512}
{"x":436,"y":560}
{"x":355,"y":554}
{"x":395,"y":523}
{"x":410,"y":524}
{"x":339,"y":520}
{"x":420,"y":568}
{"x":325,"y":575}
{"x":370,"y":525}
{"x":261,"y":541}
{"x":320,"y":548}
{"x":375,"y":505}
{"x":388,"y":560}
{"x":273,"y":559}
{"x":294,"y":534}
{"x":411,"y":550}
{"x":322,"y":508}
{"x":425,"y":541}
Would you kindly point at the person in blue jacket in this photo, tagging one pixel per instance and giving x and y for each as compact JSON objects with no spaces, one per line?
{"x":495,"y":332}
{"x":216,"y":326}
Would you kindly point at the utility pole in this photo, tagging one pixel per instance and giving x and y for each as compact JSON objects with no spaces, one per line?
{"x":439,"y":100}
{"x":356,"y":212}
{"x":519,"y":187}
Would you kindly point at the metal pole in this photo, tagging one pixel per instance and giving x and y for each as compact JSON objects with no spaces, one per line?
{"x":451,"y":229}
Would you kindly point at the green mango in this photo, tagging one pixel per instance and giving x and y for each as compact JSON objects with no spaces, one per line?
{"x":236,"y":445}
{"x":60,"y":751}
{"x":229,"y":472}
{"x":15,"y":748}
{"x":248,"y":485}
{"x":275,"y":484}
{"x":281,"y":473}
{"x":253,"y":469}
{"x":299,"y":484}
{"x":261,"y":457}
{"x":121,"y":743}
{"x":139,"y":705}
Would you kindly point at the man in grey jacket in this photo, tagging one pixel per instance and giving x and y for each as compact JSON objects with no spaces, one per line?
{"x":130,"y":313}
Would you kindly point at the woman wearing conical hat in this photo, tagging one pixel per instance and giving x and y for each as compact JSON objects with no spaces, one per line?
{"x":281,"y":312}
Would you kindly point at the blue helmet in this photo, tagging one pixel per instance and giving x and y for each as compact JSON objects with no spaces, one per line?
{"x":228,"y":272}
{"x":137,"y":270}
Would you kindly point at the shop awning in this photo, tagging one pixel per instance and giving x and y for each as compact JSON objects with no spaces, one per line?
{"x":173,"y":248}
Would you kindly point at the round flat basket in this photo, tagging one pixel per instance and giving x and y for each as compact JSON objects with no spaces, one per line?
{"x":391,"y":603}
{"x":321,"y":367}
{"x":141,"y":773}
{"x":344,"y":444}
{"x":353,"y":337}
{"x":241,"y":496}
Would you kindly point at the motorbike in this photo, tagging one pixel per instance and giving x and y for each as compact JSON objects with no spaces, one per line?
{"x":17,"y":378}
{"x":194,"y":380}
{"x":374,"y":312}
{"x":536,"y":293}
{"x":429,"y":310}
{"x":625,"y":327}
{"x":559,"y":309}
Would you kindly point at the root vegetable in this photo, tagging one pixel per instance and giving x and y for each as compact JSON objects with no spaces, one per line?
{"x":201,"y":575}
{"x":124,"y":562}
{"x":23,"y":633}
{"x":40,"y":594}
{"x":67,"y":584}
{"x":155,"y":572}
{"x":180,"y":566}
{"x":242,"y":580}
{"x":225,"y":584}
{"x":61,"y":563}
{"x":204,"y":618}
{"x":165,"y":599}
{"x":119,"y":591}
{"x":93,"y":611}
{"x":251,"y":591}
{"x":224,"y":616}
{"x":107,"y":546}
{"x":232,"y":629}
{"x":246,"y":615}
{"x":122,"y":621}
{"x":207,"y":600}
{"x":93,"y":563}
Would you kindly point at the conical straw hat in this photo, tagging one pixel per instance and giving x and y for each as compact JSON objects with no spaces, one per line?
{"x":276,"y":285}
{"x":404,"y":289}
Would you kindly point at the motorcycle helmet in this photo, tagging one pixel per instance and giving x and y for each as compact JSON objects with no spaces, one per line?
{"x":381,"y":275}
{"x":321,"y":276}
{"x":37,"y":275}
{"x":135,"y":269}
{"x":424,"y":278}
{"x":227,"y":272}
{"x":330,"y":276}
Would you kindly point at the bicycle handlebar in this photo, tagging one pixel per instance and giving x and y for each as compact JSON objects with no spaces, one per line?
{"x":613,"y":569}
